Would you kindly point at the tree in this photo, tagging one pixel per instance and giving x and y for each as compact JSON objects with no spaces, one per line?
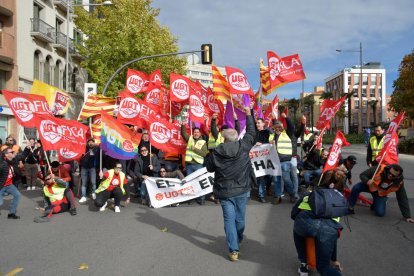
{"x":327,"y":95}
{"x":309,"y":102}
{"x":120,"y":33}
{"x":402,"y":98}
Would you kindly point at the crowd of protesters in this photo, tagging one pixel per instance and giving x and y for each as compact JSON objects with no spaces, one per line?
{"x":27,"y":169}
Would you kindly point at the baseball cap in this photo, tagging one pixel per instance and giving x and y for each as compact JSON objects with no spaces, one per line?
{"x":352,"y":159}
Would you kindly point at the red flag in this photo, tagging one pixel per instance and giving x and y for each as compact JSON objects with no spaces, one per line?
{"x":134,"y":111}
{"x":284,"y":70}
{"x":136,"y":81}
{"x":388,"y":153}
{"x":196,"y":110}
{"x":153,"y":95}
{"x":333,"y":157}
{"x":319,"y":140}
{"x":179,"y":88}
{"x":155,"y":78}
{"x":58,"y":133}
{"x":328,"y":111}
{"x":166,"y":136}
{"x":24,"y":106}
{"x":389,"y":150}
{"x":272,"y":108}
{"x":238,"y":82}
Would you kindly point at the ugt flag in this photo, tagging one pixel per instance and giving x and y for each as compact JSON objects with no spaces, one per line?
{"x":328,"y":111}
{"x":333,"y":157}
{"x":117,"y":140}
{"x":238,"y":82}
{"x":24,"y":106}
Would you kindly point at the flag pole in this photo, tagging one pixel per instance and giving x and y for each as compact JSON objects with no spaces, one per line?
{"x":320,"y":179}
{"x":379,"y":165}
{"x":232,"y":104}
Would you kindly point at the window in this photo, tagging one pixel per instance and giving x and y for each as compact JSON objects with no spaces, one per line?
{"x":36,"y":66}
{"x":2,"y":79}
{"x":364,"y":92}
{"x":372,"y":92}
{"x":349,"y":80}
{"x":36,"y":11}
{"x":56,"y":75}
{"x":74,"y":77}
{"x":356,"y":104}
{"x":356,"y":79}
{"x":77,"y":36}
{"x":46,"y":71}
{"x":364,"y":79}
{"x":373,"y":79}
{"x":364,"y":103}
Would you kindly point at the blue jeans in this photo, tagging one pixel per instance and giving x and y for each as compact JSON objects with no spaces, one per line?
{"x":85,"y":173}
{"x":192,"y":167}
{"x":294,"y":178}
{"x":143,"y":190}
{"x":234,"y":215}
{"x":308,"y":175}
{"x":261,"y":183}
{"x":277,"y":180}
{"x":12,"y":190}
{"x":325,"y":233}
{"x":379,"y":202}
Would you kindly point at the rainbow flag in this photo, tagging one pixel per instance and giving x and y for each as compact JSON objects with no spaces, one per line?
{"x":117,"y":140}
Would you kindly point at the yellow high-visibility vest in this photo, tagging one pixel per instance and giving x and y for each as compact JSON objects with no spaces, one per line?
{"x":190,"y":155}
{"x":105,"y":184}
{"x":375,"y":147}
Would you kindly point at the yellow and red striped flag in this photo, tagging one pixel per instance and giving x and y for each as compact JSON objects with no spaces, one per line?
{"x":221,"y":88}
{"x":96,"y":128}
{"x":94,"y":104}
{"x":265,"y":79}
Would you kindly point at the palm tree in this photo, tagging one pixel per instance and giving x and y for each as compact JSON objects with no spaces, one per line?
{"x":293,"y":104}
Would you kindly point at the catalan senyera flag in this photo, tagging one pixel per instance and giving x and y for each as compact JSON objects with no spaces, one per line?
{"x":117,"y":140}
{"x":94,"y":104}
{"x":221,"y":88}
{"x":265,"y":79}
{"x":96,"y":128}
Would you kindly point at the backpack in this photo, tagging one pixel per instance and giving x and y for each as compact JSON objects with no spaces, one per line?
{"x":328,"y":203}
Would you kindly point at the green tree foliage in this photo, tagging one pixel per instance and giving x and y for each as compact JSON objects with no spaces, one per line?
{"x":402,"y":98}
{"x":123,"y":32}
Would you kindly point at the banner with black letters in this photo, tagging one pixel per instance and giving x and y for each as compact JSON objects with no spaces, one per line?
{"x":265,"y":160}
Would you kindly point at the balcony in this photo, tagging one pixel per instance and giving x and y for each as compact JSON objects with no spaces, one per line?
{"x":61,"y":4}
{"x":42,"y":31}
{"x":74,"y":50}
{"x":60,"y":42}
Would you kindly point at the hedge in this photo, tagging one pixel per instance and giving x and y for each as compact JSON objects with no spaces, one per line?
{"x":351,"y":138}
{"x":406,"y":146}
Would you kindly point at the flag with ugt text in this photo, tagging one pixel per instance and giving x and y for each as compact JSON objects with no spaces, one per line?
{"x":238,"y":82}
{"x":179,"y":88}
{"x":67,"y":136}
{"x":196,"y":109}
{"x":117,"y":141}
{"x":134,"y":111}
{"x":328,"y":111}
{"x":136,"y":81}
{"x":390,"y":139}
{"x":24,"y":106}
{"x":284,"y":70}
{"x":166,"y":136}
{"x":333,"y":157}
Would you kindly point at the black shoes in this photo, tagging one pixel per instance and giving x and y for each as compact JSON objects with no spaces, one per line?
{"x":72,"y":212}
{"x":262,"y":200}
{"x":13,"y":216}
{"x":351,"y":211}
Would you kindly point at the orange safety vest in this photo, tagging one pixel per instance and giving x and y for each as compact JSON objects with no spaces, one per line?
{"x":375,"y":186}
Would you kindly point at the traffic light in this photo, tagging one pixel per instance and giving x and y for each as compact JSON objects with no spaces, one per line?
{"x":206,"y":54}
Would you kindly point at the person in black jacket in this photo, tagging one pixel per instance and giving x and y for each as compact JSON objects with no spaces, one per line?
{"x":31,"y":163}
{"x":88,"y":164}
{"x":9,"y":173}
{"x":233,"y":179}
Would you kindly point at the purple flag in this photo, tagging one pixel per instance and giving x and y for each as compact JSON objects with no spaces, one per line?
{"x":229,"y":120}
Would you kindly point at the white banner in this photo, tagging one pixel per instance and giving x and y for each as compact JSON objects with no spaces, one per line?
{"x":167,"y":191}
{"x":265,"y":160}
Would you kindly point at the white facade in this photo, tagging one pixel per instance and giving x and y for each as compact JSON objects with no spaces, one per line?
{"x":41,"y":49}
{"x":201,"y":72}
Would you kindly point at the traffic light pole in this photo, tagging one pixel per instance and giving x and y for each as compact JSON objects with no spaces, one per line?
{"x":143,"y":58}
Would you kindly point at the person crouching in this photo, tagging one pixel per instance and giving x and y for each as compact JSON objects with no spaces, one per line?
{"x":58,"y":197}
{"x":111,"y":187}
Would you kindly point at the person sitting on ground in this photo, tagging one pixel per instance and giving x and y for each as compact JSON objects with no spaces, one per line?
{"x":309,"y":144}
{"x":61,"y":171}
{"x":112,"y":186}
{"x":58,"y":197}
{"x":314,"y":164}
{"x":388,"y":179}
{"x":349,"y":164}
{"x":335,"y":179}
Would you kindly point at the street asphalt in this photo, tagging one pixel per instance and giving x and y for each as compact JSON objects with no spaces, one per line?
{"x":190,"y":239}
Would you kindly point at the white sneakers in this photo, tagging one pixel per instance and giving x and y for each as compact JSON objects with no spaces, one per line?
{"x":117,"y":210}
{"x":103,"y":207}
{"x":28,"y":188}
{"x":93,"y":196}
{"x":83,"y":199}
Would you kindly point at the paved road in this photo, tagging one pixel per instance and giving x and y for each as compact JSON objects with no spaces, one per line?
{"x":132,"y":242}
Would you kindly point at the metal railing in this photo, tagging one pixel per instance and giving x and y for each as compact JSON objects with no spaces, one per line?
{"x":39,"y":26}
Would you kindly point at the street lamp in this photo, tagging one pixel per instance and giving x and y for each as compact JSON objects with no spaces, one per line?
{"x":359,"y":94}
{"x":69,"y":7}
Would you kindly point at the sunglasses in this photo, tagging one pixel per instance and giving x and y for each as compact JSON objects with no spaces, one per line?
{"x":393,"y":175}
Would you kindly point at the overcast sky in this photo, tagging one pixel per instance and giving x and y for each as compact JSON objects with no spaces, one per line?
{"x":243,"y":31}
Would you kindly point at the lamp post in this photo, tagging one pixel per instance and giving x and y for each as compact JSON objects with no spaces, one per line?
{"x":69,"y":7}
{"x":360,"y":93}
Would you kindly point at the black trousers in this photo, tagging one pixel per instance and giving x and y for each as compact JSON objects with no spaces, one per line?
{"x":103,"y":196}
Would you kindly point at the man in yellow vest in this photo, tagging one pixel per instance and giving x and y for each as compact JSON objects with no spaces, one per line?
{"x":111,"y":187}
{"x":388,"y":179}
{"x":195,"y":153}
{"x":376,"y":142}
{"x":58,"y":197}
